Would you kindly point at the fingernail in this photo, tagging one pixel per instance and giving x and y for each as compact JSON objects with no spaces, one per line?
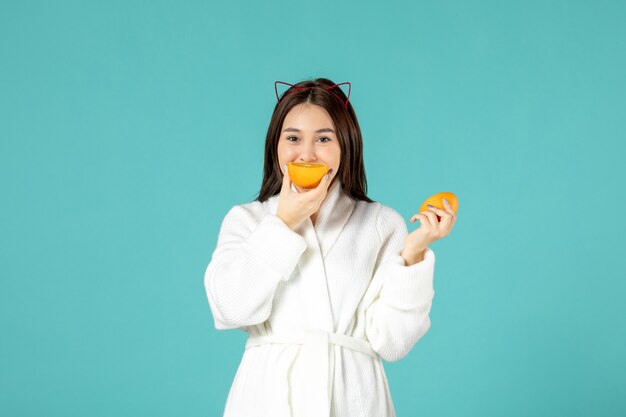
{"x":430,"y":205}
{"x":446,"y":201}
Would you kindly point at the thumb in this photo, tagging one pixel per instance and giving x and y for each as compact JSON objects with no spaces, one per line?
{"x":286,"y":179}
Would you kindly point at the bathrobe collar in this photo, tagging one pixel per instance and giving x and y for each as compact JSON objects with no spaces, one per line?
{"x":331,"y":219}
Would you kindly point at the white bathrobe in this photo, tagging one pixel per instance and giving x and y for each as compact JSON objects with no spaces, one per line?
{"x":322,"y":306}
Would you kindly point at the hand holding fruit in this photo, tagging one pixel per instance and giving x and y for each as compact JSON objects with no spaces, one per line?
{"x":441,"y":206}
{"x":293,"y":207}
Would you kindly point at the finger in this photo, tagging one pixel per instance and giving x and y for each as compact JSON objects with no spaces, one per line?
{"x":431,"y":216}
{"x":450,"y":210}
{"x":422,"y":218}
{"x":323,"y":185}
{"x":286,"y":180}
{"x":446,"y":221}
{"x":415,"y":217}
{"x":448,"y":207}
{"x":440,"y":212}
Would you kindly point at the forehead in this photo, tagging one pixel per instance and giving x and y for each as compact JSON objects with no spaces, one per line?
{"x":306,"y":115}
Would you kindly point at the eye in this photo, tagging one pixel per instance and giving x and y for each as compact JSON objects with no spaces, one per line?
{"x":288,"y":138}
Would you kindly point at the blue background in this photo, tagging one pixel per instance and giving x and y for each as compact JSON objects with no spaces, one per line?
{"x":129,"y":128}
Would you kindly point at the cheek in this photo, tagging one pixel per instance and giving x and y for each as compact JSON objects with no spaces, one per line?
{"x":284,"y":153}
{"x":333,"y":156}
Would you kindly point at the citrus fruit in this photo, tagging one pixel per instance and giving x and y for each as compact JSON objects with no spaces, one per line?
{"x":437,"y":201}
{"x":306,"y":175}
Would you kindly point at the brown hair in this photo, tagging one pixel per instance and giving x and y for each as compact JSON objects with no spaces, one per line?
{"x":351,"y":172}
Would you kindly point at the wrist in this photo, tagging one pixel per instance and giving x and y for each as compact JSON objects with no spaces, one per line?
{"x":287,"y":222}
{"x":413,"y":256}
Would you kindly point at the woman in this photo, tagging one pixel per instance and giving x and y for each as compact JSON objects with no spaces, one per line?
{"x":326,"y":282}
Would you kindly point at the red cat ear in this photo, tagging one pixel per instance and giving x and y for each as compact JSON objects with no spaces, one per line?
{"x":347,"y":95}
{"x":276,"y":88}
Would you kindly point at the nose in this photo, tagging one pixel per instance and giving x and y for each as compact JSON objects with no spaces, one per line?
{"x":308,"y":154}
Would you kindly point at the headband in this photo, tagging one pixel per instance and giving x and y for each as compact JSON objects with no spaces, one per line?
{"x":296,"y":88}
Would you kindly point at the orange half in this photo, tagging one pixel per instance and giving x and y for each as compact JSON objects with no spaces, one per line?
{"x":437,"y":201}
{"x":306,"y":175}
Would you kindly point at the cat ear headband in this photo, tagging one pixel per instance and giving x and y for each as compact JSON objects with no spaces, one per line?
{"x":325,"y":88}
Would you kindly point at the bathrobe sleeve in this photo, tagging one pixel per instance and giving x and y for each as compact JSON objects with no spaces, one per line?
{"x":251,"y":258}
{"x":399,"y":315}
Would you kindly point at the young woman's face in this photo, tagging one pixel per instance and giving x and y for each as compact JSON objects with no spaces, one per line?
{"x":308,"y":135}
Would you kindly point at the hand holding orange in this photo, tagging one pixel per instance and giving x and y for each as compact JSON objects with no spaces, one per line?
{"x":437,"y":202}
{"x":295,"y":207}
{"x":432,"y":227}
{"x":306,"y":175}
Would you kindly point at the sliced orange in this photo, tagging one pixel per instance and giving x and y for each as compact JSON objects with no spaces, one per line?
{"x":437,"y":201}
{"x":306,"y":175}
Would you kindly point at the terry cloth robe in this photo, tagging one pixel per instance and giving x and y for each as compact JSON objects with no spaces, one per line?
{"x":322,"y":306}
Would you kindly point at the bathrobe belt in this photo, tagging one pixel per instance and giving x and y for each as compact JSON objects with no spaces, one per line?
{"x":319,"y":359}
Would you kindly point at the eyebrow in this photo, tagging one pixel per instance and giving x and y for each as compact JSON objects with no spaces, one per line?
{"x":293,"y":129}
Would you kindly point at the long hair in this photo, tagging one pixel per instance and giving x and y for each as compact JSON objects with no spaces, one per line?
{"x":351,"y":172}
